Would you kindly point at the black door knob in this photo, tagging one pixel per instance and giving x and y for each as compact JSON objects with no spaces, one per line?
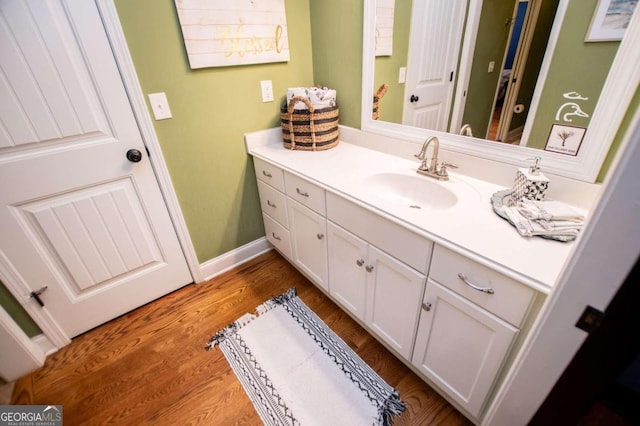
{"x":414,"y":98}
{"x":134,"y":155}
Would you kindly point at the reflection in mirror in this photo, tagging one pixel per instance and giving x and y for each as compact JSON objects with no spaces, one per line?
{"x":563,"y":100}
{"x":475,"y":64}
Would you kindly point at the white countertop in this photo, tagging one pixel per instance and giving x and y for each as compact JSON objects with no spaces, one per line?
{"x":470,"y":227}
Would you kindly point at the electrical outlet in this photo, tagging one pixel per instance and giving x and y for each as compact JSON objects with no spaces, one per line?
{"x":267,"y":90}
{"x":492,"y":65}
{"x":160,"y":106}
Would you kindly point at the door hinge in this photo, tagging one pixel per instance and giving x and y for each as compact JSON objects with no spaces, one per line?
{"x":451,"y":77}
{"x":590,"y":319}
{"x":148,"y":153}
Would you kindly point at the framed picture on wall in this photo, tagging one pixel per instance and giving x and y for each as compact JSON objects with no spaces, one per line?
{"x":610,"y":20}
{"x":565,"y":139}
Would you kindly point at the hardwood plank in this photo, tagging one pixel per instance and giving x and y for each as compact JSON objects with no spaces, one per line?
{"x":150,"y":366}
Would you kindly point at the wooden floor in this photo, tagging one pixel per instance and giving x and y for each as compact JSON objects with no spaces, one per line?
{"x":150,"y":366}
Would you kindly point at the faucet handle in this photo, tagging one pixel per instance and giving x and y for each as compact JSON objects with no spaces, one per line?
{"x":443,"y":168}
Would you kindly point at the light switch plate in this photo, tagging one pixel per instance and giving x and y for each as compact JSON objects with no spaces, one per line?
{"x":402,"y":75}
{"x":160,"y":106}
{"x":267,"y":90}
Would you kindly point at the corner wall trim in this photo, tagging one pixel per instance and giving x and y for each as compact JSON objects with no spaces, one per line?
{"x":231,"y":259}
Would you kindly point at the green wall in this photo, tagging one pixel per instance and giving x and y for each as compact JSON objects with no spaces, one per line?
{"x":212,"y":108}
{"x":17,"y":312}
{"x":336,"y":28}
{"x":576,"y":66}
{"x":387,"y":67}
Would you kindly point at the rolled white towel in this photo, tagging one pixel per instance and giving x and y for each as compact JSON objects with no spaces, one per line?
{"x":320,"y":97}
{"x":548,"y":210}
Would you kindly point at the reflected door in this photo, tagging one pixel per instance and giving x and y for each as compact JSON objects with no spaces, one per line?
{"x":436,"y":31}
{"x":77,"y":214}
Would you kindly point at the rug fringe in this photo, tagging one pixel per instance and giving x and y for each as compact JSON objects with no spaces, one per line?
{"x":392,"y":406}
{"x":221,"y":335}
{"x":276,"y":301}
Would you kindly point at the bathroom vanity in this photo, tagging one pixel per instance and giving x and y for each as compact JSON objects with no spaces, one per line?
{"x":425,"y":266}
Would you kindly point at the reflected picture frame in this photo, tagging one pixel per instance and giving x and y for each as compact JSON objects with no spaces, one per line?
{"x":610,"y":20}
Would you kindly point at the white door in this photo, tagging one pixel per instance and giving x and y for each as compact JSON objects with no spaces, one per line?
{"x":394,"y":294}
{"x":460,"y":346}
{"x":434,"y":46}
{"x":77,"y":216}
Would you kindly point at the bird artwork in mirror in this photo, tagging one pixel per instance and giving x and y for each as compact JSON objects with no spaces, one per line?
{"x":504,"y":71}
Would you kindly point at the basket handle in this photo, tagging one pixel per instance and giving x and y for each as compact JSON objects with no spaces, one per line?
{"x":294,"y":100}
{"x":290,"y":109}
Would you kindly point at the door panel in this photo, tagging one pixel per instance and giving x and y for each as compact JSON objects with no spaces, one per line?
{"x":394,"y":292}
{"x":347,"y":275}
{"x":77,"y":216}
{"x":436,"y":31}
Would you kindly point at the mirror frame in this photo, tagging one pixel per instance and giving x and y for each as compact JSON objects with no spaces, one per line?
{"x":605,"y":121}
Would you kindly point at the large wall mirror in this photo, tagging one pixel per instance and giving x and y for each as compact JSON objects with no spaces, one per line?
{"x":502,"y":79}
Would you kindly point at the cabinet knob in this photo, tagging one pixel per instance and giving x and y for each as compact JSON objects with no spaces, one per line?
{"x":359,"y":262}
{"x":304,"y":194}
{"x":270,"y":204}
{"x":266,"y":173}
{"x":426,"y":306}
{"x":276,"y":236}
{"x":369,"y":268}
{"x":320,"y":236}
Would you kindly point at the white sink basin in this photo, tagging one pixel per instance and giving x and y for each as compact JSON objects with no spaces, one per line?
{"x":412,"y":191}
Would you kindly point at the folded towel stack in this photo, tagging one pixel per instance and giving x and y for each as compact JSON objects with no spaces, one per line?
{"x":320,"y":97}
{"x":545,"y":218}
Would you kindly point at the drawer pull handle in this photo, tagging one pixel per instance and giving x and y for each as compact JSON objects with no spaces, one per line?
{"x":426,"y":306}
{"x":359,"y":262}
{"x":304,"y":194}
{"x":320,"y":236}
{"x":369,"y":268}
{"x":270,"y":204}
{"x":267,"y":174}
{"x":276,"y":236}
{"x":488,"y":290}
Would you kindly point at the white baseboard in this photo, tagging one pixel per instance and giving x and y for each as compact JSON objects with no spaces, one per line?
{"x":45,"y":344}
{"x":233,"y":258}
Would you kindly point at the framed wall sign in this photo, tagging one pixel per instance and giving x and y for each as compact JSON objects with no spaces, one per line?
{"x":565,"y":139}
{"x":384,"y":27}
{"x":610,"y":20}
{"x":219,"y":33}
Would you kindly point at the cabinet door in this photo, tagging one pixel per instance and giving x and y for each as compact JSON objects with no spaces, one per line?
{"x":460,"y":346}
{"x":394,"y":295}
{"x":347,"y":276}
{"x":308,"y":242}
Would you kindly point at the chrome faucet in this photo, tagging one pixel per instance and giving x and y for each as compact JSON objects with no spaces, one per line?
{"x":433,"y":169}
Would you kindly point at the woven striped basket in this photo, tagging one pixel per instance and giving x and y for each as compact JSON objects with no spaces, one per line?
{"x":311,"y":129}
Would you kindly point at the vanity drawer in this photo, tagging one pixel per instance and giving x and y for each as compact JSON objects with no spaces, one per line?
{"x":269,"y":173}
{"x":305,"y":193}
{"x":510,"y":299}
{"x":273,"y":203}
{"x":277,"y":235}
{"x":399,"y":242}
